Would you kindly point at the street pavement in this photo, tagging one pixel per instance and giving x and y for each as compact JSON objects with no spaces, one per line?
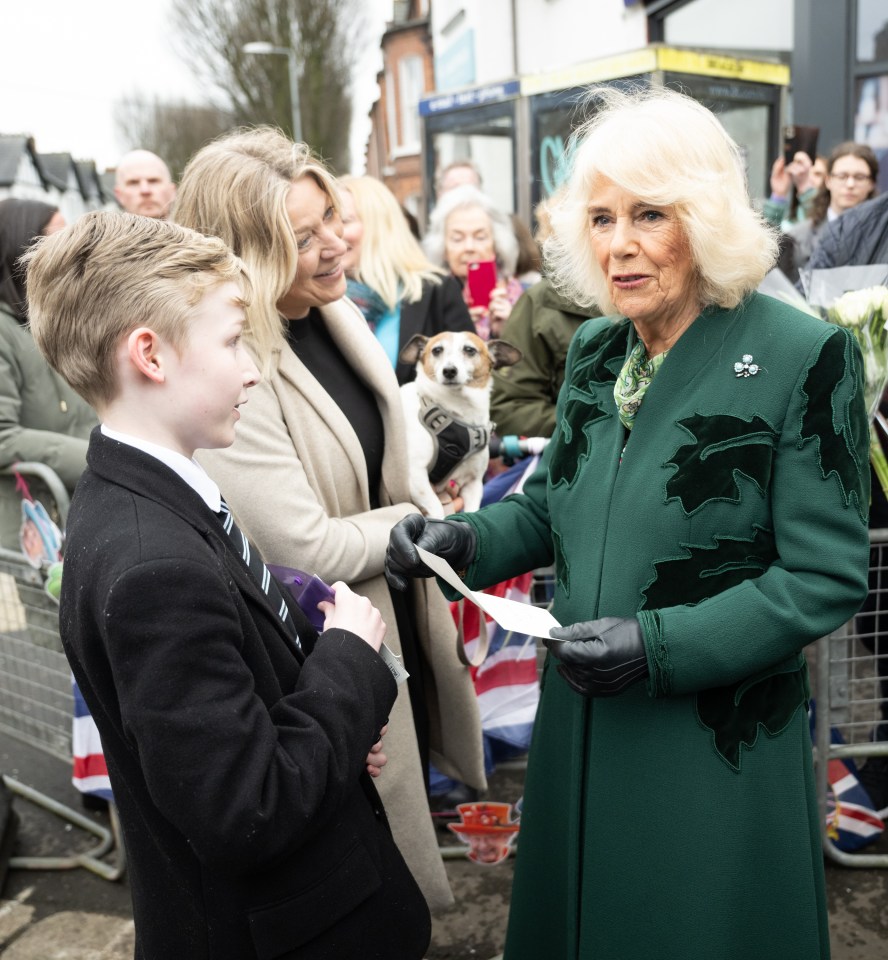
{"x":76,"y":915}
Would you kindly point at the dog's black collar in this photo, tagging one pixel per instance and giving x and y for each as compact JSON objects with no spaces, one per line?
{"x":454,"y":440}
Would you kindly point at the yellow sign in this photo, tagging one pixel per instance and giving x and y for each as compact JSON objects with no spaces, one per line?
{"x":655,"y":58}
{"x":716,"y":65}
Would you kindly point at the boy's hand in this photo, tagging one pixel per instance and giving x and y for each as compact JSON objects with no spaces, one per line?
{"x":376,"y":759}
{"x":355,"y":614}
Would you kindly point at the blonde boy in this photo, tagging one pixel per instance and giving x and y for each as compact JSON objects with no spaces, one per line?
{"x":236,"y":739}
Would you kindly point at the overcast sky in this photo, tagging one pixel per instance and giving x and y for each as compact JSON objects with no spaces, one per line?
{"x":64,"y":63}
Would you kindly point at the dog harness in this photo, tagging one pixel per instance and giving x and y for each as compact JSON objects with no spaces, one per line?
{"x":454,"y":440}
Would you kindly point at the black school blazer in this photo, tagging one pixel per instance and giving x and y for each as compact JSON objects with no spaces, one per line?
{"x":251,"y":826}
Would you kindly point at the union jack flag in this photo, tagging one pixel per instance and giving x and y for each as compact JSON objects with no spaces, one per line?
{"x":90,"y":771}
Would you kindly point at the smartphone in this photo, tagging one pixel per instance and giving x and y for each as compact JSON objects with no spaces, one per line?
{"x":798,"y":137}
{"x":481,"y":280}
{"x":307,"y":589}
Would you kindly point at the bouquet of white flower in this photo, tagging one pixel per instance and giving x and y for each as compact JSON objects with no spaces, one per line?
{"x":865,"y":313}
{"x":856,"y":297}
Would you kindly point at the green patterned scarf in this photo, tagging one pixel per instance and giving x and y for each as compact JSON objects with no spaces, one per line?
{"x":634,"y":379}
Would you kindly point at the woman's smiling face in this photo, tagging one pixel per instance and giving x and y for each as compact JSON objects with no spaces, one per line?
{"x":320,"y":277}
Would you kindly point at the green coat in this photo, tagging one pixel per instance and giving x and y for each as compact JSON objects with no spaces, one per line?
{"x":541,"y":324}
{"x":678,"y":819}
{"x":41,"y":418}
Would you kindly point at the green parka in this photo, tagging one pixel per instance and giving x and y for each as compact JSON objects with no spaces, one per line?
{"x":541,"y":325}
{"x":41,"y":418}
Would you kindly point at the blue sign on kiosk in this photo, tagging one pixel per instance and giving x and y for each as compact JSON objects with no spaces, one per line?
{"x":476,"y":96}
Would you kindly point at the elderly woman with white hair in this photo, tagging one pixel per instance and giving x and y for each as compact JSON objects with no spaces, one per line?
{"x":704,"y":502}
{"x":465,"y":228}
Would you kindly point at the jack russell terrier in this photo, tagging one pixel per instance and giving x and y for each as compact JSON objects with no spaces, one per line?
{"x":447,"y":410}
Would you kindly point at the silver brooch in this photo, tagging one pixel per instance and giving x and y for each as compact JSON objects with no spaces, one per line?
{"x":745,"y":367}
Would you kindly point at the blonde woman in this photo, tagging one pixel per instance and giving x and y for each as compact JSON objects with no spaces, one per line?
{"x":318,"y":474}
{"x":399,"y":291}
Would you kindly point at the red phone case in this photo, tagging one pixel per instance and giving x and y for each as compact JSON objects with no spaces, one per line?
{"x":481,"y":280}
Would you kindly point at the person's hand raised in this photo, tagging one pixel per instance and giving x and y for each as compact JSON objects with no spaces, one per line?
{"x":780,"y":179}
{"x":500,"y":309}
{"x":800,"y":171}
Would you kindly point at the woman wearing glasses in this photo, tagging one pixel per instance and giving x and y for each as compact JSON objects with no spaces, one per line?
{"x":851,"y":172}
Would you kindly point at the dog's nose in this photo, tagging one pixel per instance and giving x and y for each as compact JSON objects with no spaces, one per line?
{"x":449,"y":372}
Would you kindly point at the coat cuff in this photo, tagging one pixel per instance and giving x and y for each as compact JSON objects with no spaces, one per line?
{"x":659,"y":667}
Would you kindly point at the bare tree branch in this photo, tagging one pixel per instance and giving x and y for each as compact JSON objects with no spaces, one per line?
{"x":172,"y":130}
{"x":254,"y":88}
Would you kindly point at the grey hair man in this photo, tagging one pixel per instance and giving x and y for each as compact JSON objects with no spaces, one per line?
{"x":143,"y":185}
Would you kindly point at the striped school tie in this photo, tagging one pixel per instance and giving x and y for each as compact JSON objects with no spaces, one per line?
{"x":257,"y":568}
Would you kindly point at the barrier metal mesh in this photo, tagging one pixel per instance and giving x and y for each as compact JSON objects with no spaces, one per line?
{"x":851,"y":691}
{"x":37,"y":707}
{"x":36,"y":700}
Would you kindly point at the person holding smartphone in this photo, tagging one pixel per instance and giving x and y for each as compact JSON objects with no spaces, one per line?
{"x":851,"y":174}
{"x":475,"y":240}
{"x":796,"y":176}
{"x":389,"y":278}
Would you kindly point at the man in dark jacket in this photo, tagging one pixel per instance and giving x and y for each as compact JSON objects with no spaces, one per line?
{"x":859,"y":236}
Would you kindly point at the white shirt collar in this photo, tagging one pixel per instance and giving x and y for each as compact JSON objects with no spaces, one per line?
{"x":189,"y":470}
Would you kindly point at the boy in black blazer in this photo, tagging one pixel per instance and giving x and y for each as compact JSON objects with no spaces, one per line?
{"x":238,"y":742}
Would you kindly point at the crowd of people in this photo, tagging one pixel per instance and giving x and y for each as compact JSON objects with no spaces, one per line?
{"x":216,"y":370}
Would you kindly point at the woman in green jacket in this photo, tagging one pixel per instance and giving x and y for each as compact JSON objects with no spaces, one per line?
{"x":41,"y":418}
{"x":704,"y":501}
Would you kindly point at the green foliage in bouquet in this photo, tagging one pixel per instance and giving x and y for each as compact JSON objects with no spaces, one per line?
{"x":865,"y":313}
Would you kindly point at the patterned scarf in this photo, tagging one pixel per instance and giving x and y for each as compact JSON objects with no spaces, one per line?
{"x":632,"y":383}
{"x":368,"y":301}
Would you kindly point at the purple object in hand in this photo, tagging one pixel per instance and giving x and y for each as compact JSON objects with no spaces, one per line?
{"x":307,"y":589}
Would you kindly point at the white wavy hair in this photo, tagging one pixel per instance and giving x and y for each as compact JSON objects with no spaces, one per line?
{"x":668,"y":150}
{"x":505,"y":245}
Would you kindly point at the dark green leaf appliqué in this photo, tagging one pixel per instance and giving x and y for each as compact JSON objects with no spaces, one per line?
{"x":572,"y":443}
{"x":591,"y":367}
{"x":602,"y":357}
{"x":841,"y":439}
{"x":723,"y":448}
{"x":735,"y":713}
{"x":705,"y":571}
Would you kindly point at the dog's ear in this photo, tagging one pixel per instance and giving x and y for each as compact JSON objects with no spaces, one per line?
{"x":411,"y":350}
{"x":503,"y":353}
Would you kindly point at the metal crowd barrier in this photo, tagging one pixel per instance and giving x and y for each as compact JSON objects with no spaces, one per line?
{"x":36,"y":697}
{"x":848,"y":675}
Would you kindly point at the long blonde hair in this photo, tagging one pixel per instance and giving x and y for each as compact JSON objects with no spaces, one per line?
{"x":236,"y":188}
{"x":392,"y":261}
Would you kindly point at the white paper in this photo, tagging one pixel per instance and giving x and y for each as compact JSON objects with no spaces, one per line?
{"x":393,"y":662}
{"x":509,"y":614}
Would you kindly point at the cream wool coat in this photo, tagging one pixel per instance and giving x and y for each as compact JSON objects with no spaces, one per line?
{"x":296,"y":480}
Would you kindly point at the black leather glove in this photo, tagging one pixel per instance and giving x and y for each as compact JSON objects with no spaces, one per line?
{"x":599,"y":658}
{"x":453,"y":542}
